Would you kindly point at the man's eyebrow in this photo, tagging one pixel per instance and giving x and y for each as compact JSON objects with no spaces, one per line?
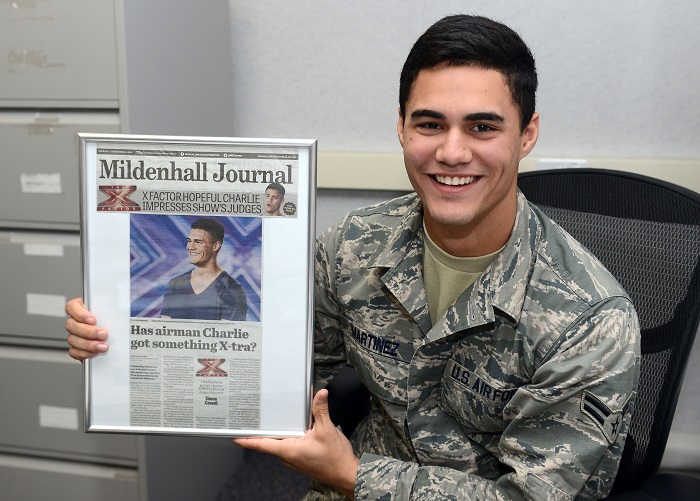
{"x":427,"y":114}
{"x":486,"y":116}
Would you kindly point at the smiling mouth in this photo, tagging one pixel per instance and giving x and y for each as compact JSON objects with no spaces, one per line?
{"x":454,"y":180}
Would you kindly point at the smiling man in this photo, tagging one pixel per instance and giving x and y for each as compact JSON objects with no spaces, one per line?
{"x":206,"y":292}
{"x":502,"y":358}
{"x":513,"y":352}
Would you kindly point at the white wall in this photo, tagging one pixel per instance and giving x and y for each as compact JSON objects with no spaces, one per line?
{"x":617,"y":78}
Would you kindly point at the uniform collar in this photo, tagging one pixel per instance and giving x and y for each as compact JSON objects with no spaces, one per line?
{"x":504,"y":283}
{"x":402,"y":257}
{"x":405,"y":240}
{"x":502,"y":286}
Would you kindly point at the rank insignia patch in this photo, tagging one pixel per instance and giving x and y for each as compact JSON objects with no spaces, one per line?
{"x":609,"y":421}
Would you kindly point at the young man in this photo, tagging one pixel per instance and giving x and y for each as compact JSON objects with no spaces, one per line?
{"x":274,"y":198}
{"x":501,"y":356}
{"x":206,"y":292}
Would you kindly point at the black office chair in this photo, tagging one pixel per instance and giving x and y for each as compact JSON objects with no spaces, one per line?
{"x":647,"y":233}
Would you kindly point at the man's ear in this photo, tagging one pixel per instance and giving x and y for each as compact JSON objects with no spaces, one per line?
{"x":399,"y":127}
{"x":529,"y":136}
{"x":217,"y":246}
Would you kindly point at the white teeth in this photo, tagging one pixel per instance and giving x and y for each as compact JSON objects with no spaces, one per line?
{"x":454,"y":180}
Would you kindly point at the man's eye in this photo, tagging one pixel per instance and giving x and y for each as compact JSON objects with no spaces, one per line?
{"x":429,"y":125}
{"x":482,"y":128}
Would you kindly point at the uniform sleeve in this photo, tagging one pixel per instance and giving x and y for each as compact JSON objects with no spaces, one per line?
{"x":329,"y":348}
{"x":564,"y":430}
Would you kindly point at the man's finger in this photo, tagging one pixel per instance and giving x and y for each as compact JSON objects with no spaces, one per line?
{"x":271,"y":446}
{"x":76,"y":309}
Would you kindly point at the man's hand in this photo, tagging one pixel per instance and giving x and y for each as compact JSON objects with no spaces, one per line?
{"x":323,"y":453}
{"x":84,"y":337}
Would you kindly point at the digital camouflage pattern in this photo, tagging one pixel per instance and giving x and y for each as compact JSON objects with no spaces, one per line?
{"x":521,"y":390}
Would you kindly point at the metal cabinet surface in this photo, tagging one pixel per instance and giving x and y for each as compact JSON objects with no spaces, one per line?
{"x":25,"y":478}
{"x":58,"y":52}
{"x":41,"y":271}
{"x":42,"y":411}
{"x":39,"y":168}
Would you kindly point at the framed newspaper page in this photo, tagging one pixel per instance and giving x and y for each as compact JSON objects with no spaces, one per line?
{"x":197,"y":258}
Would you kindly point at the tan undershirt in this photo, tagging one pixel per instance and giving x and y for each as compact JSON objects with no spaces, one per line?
{"x":446,"y":277}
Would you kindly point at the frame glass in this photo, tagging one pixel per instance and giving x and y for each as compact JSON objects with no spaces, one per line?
{"x":197,"y":258}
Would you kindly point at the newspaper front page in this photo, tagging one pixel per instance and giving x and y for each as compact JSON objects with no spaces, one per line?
{"x":195,"y":223}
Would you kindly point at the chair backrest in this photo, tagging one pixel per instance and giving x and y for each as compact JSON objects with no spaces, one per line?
{"x":647,"y":233}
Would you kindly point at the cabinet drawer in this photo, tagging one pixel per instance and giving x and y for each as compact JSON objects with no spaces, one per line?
{"x":60,"y":51}
{"x":34,"y":478}
{"x":42,"y":411}
{"x":41,"y":271}
{"x":39,"y":168}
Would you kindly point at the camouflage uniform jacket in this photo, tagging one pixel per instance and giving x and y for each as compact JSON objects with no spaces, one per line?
{"x":522,"y":389}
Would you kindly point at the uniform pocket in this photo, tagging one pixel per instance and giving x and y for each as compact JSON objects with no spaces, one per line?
{"x":379,"y":364}
{"x":475,"y":400}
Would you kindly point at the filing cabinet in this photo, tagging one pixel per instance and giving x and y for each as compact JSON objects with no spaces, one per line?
{"x":69,"y":66}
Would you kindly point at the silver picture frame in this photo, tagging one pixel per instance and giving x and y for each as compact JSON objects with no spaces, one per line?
{"x":230,"y":355}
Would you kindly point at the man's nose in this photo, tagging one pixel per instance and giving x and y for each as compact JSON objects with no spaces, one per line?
{"x":455,"y":149}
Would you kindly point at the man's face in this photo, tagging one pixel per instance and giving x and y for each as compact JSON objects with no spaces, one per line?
{"x":462,"y":144}
{"x":201,"y":248}
{"x":273,"y":200}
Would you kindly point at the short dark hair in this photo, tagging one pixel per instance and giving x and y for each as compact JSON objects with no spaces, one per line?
{"x":211,"y":226}
{"x":464,"y":40}
{"x":276,"y":187}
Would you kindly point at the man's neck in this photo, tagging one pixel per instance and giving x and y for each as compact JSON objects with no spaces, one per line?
{"x":207,"y":270}
{"x":471,"y":240}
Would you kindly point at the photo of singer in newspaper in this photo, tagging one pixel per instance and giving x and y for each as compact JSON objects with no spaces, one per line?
{"x":195,"y":289}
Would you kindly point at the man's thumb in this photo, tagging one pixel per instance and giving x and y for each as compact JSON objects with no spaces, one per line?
{"x":320,"y":406}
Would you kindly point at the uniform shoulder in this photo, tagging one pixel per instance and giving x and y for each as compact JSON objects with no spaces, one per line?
{"x":384,"y":215}
{"x":373,"y":230}
{"x":578,"y":269}
{"x":396,"y":207}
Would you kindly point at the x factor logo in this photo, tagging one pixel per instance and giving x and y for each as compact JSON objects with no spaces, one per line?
{"x":118,"y":199}
{"x":211,"y":367}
